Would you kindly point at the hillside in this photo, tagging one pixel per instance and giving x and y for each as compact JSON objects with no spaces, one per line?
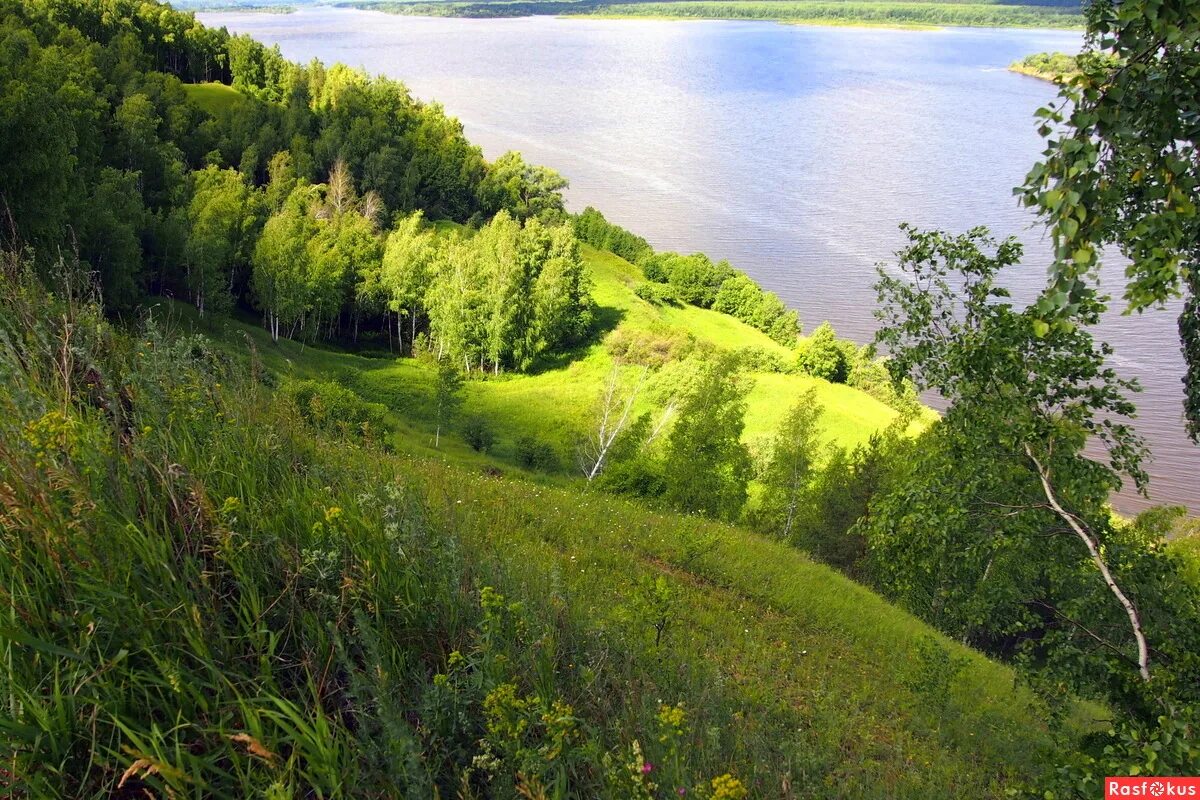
{"x":293,"y":381}
{"x":555,"y":403}
{"x":313,"y":613}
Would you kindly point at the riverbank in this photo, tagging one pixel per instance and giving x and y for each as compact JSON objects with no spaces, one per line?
{"x":1051,"y":67}
{"x":852,"y":13}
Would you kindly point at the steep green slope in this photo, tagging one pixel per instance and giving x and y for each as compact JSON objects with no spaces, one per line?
{"x":210,"y":597}
{"x":555,"y":403}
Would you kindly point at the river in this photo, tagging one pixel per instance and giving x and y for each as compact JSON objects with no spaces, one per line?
{"x":792,"y":151}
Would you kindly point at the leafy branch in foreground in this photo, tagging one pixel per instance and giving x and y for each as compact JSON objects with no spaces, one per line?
{"x":1121,"y":167}
{"x":1018,"y":401}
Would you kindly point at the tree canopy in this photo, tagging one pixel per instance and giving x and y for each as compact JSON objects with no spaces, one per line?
{"x":1121,"y":168}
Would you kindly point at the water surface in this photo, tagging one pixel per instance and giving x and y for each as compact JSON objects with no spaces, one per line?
{"x":792,"y":151}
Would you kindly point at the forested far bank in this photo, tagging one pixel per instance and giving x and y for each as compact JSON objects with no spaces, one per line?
{"x":894,"y":13}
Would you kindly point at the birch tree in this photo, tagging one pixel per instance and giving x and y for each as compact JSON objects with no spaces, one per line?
{"x":1023,"y":411}
{"x":612,"y":418}
{"x":791,"y":462}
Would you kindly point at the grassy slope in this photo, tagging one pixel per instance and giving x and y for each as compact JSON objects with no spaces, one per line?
{"x":823,"y":669}
{"x":215,"y":98}
{"x":553,"y":404}
{"x":817,"y":675}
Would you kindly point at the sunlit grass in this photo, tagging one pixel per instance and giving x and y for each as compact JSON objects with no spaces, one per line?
{"x":214,"y":98}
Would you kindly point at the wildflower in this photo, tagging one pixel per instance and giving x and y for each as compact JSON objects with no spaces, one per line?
{"x":647,"y":768}
{"x":727,"y":787}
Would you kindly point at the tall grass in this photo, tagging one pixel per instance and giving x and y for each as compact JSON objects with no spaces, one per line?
{"x":208,"y":593}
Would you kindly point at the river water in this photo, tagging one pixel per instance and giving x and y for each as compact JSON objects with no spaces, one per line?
{"x":792,"y":151}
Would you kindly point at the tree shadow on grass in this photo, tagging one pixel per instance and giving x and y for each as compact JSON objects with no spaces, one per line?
{"x":606,"y":319}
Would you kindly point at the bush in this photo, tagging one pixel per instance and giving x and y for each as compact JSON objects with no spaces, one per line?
{"x":477,"y":431}
{"x":533,"y":453}
{"x":652,"y":348}
{"x":695,"y":278}
{"x":591,"y":227}
{"x":334,"y":408}
{"x":658,"y":294}
{"x":756,"y":359}
{"x":823,"y":356}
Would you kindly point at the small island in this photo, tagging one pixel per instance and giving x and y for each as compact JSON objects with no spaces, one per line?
{"x":1053,"y":67}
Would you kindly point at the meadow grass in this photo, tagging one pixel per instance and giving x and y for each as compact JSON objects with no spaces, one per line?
{"x":206,"y":596}
{"x":215,"y":98}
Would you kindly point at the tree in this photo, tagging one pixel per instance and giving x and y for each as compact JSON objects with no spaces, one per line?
{"x":522,"y":189}
{"x":1022,"y":409}
{"x":456,"y":302}
{"x":405,"y":272}
{"x":591,"y":227}
{"x":223,"y":217}
{"x":447,"y":397}
{"x":563,"y":307}
{"x":509,"y":258}
{"x":822,"y":356}
{"x":282,"y":262}
{"x":1121,"y":166}
{"x":707,"y":468}
{"x":612,"y":417}
{"x":790,"y":467}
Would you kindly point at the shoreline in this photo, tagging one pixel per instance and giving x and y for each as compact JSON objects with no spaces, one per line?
{"x":1029,"y":72}
{"x":429,"y":10}
{"x":823,"y":23}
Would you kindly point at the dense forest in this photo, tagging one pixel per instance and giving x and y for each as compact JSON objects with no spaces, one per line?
{"x":284,"y":560}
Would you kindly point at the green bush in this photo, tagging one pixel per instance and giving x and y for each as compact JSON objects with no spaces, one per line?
{"x":334,"y":408}
{"x":478,"y":433}
{"x":823,"y":356}
{"x":534,"y":453}
{"x":591,"y":227}
{"x":657,"y":293}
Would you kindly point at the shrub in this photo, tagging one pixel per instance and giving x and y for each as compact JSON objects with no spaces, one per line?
{"x":591,"y":227}
{"x":652,"y":347}
{"x":477,"y":431}
{"x":823,"y":356}
{"x":332,"y":407}
{"x":658,"y":294}
{"x":533,"y":453}
{"x":756,"y":359}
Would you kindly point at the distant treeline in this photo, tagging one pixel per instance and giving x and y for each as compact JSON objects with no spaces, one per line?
{"x":1038,"y":13}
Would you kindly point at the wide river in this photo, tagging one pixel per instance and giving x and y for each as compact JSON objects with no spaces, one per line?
{"x":792,"y":151}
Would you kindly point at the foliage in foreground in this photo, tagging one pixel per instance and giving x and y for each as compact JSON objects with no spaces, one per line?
{"x":1121,"y":166}
{"x":997,"y":529}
